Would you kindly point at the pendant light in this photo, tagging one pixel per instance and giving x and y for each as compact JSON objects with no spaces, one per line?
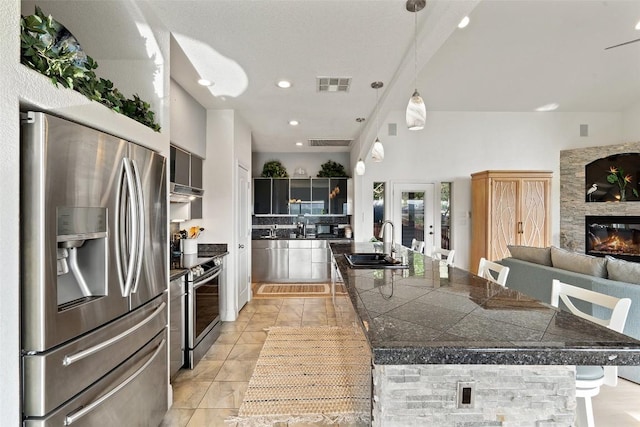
{"x":360,"y":167}
{"x":377,"y":152}
{"x":416,"y":112}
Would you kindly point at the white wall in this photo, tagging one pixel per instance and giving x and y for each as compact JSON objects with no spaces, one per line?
{"x":453,"y":145}
{"x":631,"y":123}
{"x":311,"y":162}
{"x":228,"y":144}
{"x":188,"y":122}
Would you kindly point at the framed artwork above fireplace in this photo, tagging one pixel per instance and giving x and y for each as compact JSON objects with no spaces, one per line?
{"x":615,"y":178}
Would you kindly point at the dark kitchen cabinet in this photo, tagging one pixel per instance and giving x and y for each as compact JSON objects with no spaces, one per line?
{"x":180,"y":170}
{"x":338,"y":196}
{"x":196,"y":171}
{"x":300,"y":196}
{"x":320,"y":196}
{"x":262,"y":196}
{"x":280,"y":196}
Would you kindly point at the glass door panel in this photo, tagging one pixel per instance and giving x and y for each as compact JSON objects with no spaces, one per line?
{"x":319,"y":196}
{"x":413,"y":213}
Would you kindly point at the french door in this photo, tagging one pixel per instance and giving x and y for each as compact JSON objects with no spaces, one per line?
{"x":413,"y":214}
{"x":243,"y":235}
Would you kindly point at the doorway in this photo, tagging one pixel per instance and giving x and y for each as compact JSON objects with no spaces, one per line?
{"x":243,"y":238}
{"x":413,"y":214}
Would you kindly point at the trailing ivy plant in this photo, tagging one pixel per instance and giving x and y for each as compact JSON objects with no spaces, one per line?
{"x":332,"y":169}
{"x":274,"y":169}
{"x":49,"y":48}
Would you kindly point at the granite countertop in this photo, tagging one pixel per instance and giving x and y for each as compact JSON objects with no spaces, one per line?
{"x":429,"y":313}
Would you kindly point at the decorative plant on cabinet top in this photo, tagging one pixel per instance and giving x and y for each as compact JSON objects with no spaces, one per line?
{"x":274,"y":169}
{"x":49,"y":48}
{"x":332,"y":169}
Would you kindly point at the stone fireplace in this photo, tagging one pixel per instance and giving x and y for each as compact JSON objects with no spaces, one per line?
{"x":574,"y":207}
{"x":618,"y":236}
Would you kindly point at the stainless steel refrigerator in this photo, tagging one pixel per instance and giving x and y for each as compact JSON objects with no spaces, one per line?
{"x":93,"y":277}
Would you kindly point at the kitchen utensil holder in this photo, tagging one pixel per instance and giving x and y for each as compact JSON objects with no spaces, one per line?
{"x":189,"y":246}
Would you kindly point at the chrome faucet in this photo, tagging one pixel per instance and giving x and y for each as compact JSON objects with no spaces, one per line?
{"x":381,"y":235}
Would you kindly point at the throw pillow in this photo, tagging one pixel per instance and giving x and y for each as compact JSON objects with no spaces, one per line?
{"x":578,"y":263}
{"x":623,"y":271}
{"x":532,"y":254}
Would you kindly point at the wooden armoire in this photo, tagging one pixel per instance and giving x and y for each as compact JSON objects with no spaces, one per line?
{"x":508,"y":208}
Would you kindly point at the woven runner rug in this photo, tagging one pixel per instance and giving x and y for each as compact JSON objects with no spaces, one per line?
{"x":309,"y":375}
{"x":295,"y":290}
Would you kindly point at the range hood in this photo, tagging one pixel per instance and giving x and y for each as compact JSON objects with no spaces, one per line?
{"x":180,"y":193}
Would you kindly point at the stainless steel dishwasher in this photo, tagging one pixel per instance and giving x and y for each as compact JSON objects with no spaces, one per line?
{"x":177,"y":340}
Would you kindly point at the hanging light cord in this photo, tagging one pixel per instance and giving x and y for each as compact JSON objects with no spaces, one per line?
{"x":377,"y":118}
{"x":415,"y":45}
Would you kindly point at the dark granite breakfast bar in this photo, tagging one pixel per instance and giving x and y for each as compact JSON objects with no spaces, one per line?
{"x":435,"y":331}
{"x":431,"y":313}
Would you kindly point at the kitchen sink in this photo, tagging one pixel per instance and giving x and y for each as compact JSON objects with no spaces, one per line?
{"x":372,"y":260}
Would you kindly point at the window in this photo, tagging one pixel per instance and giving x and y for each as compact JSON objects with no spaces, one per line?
{"x":378,"y":207}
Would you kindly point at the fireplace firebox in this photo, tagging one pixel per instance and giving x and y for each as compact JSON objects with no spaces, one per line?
{"x":617,"y":236}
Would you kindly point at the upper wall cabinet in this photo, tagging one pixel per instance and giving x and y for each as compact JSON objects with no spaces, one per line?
{"x":300,"y":196}
{"x":186,"y":170}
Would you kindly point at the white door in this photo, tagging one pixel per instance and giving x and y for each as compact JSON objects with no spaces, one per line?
{"x":243,"y":238}
{"x":413,"y":215}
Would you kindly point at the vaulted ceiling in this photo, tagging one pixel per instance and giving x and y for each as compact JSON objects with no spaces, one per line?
{"x":514,"y":56}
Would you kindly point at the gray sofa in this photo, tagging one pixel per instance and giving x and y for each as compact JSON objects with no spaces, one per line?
{"x":532,"y":277}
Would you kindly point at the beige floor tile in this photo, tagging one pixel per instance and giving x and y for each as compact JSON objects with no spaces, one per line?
{"x":285,"y":315}
{"x":296,"y":310}
{"x":228,"y":337}
{"x":313,"y":323}
{"x":188,"y":394}
{"x":236,"y":370}
{"x":267,"y":301}
{"x":245,"y":352}
{"x":265,"y":317}
{"x":212,"y":417}
{"x":289,"y":323}
{"x":237,"y":326}
{"x":251,"y":337}
{"x":315,"y":309}
{"x":314,"y":316}
{"x":292,"y":301}
{"x":205,"y":370}
{"x":218,"y":352}
{"x":224,"y":394}
{"x":255,"y":326}
{"x":177,"y":417}
{"x":617,"y":406}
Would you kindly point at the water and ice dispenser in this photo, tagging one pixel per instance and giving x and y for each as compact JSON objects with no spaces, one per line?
{"x":81,"y":254}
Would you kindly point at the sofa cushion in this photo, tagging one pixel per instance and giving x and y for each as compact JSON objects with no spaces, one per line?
{"x":623,"y":271}
{"x":532,"y":254}
{"x":578,"y":263}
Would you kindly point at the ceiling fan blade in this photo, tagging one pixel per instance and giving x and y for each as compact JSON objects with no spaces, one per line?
{"x":622,"y":44}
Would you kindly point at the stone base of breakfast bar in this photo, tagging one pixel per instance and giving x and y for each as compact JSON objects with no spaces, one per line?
{"x":420,"y":395}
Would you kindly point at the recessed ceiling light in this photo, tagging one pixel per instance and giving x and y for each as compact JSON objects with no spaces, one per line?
{"x":294,"y":122}
{"x":464,"y":22}
{"x":548,"y":107}
{"x":284,"y":84}
{"x":299,"y":144}
{"x":205,"y":82}
{"x":638,"y":26}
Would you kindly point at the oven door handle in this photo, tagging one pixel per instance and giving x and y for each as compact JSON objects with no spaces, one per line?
{"x":68,"y":360}
{"x":75,"y":416}
{"x":196,"y":285}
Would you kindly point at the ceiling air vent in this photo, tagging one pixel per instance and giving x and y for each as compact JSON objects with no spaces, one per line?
{"x":333,"y":84}
{"x":329,"y":142}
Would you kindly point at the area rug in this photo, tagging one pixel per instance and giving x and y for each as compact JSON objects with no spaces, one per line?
{"x":309,"y":375}
{"x":295,"y":290}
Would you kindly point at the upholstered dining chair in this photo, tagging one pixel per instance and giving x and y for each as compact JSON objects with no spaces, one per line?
{"x":493,"y":271}
{"x":417,"y":245}
{"x":439,"y":253}
{"x":590,"y":378}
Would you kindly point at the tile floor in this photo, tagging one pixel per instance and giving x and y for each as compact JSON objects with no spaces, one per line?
{"x":214,"y":390}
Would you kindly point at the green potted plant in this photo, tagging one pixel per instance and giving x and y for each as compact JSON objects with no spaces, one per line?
{"x":331,"y":169}
{"x":274,"y":169}
{"x":49,"y":48}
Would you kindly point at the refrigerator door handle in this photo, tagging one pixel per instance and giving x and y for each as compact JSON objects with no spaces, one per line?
{"x":75,"y":416}
{"x":120,"y":233}
{"x":140,"y":213}
{"x":134,"y":232}
{"x":68,"y":360}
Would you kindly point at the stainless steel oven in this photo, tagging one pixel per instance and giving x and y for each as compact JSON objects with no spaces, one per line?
{"x":203,"y":309}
